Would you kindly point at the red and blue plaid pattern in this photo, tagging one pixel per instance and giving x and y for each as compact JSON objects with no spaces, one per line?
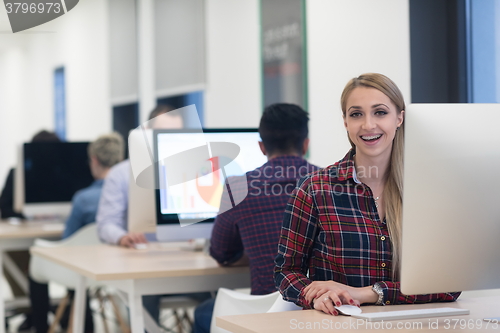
{"x":254,"y":225}
{"x":332,"y":231}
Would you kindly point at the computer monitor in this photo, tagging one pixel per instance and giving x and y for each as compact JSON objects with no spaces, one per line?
{"x":141,"y":213}
{"x":47,"y":176}
{"x":198,"y":199}
{"x":451,"y":205}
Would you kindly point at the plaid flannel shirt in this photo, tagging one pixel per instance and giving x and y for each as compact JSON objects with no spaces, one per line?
{"x":332,"y":231}
{"x":253,"y":226}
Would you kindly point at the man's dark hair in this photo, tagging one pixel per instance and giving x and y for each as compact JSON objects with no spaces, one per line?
{"x":283,"y":128}
{"x":45,"y":136}
{"x":160,"y":109}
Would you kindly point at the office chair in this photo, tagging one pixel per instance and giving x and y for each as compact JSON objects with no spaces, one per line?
{"x":230,"y":302}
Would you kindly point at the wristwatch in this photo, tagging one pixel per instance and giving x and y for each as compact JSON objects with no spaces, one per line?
{"x":380,"y":292}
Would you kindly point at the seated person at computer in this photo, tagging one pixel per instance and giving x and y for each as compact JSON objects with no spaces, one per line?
{"x":250,"y":230}
{"x":341,"y":235}
{"x":21,"y":257}
{"x":106,"y":151}
{"x":112,"y":212}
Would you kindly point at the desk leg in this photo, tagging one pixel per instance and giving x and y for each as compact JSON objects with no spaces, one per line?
{"x":135,"y":307}
{"x":79,"y":305}
{"x":2,"y":302}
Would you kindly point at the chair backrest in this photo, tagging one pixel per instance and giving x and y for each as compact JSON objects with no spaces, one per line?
{"x":280,"y":305}
{"x":43,"y":271}
{"x":86,"y":235}
{"x":230,"y":302}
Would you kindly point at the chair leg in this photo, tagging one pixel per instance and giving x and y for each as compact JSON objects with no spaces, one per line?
{"x":59,"y":313}
{"x":177,"y":320}
{"x":123,"y":326}
{"x":71,"y":316}
{"x":101,"y":311}
{"x":188,"y":319}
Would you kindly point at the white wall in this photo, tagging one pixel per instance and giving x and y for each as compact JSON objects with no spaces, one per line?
{"x":77,"y":41}
{"x":233,"y":95}
{"x":345,"y":39}
{"x":11,"y":105}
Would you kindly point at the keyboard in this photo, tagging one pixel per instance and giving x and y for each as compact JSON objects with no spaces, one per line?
{"x":411,"y":314}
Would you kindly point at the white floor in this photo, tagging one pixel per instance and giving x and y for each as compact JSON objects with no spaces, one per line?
{"x":57,"y":291}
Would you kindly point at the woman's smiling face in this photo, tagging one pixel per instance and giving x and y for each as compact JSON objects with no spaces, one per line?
{"x":371,"y":120}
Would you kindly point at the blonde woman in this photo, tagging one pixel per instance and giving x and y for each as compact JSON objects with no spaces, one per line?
{"x":341,"y":235}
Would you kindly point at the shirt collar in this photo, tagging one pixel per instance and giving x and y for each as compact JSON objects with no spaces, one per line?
{"x":285,"y":158}
{"x":345,"y":168}
{"x":98,"y":182}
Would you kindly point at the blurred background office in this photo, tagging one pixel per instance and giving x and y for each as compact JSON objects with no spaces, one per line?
{"x":105,"y":64}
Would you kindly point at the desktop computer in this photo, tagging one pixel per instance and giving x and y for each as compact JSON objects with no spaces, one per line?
{"x":451,"y":207}
{"x":190,"y":172}
{"x":47,"y":176}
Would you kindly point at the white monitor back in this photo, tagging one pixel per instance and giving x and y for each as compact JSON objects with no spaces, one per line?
{"x":451,"y":205}
{"x":141,"y":208}
{"x":19,"y":181}
{"x":141,"y":200}
{"x":177,"y":233}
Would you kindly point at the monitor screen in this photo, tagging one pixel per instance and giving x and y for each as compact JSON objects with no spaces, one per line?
{"x":199,"y":199}
{"x":451,"y":210}
{"x":54,"y":171}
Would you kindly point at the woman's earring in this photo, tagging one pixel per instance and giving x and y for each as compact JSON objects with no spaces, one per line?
{"x":397,"y":128}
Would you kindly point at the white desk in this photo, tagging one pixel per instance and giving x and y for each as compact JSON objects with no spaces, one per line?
{"x":20,"y":237}
{"x":305,"y":321}
{"x":160,"y":269}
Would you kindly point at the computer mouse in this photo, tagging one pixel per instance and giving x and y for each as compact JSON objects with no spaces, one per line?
{"x":348,"y":310}
{"x":140,"y":246}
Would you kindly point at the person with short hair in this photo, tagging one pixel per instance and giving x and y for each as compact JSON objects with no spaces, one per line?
{"x":340,"y":241}
{"x":103,"y":153}
{"x":113,"y":207}
{"x":249,"y":231}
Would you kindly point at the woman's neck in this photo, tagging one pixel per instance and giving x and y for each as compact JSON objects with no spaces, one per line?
{"x":371,"y":171}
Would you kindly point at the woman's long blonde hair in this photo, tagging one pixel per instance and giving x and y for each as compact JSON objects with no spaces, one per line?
{"x":393,"y":189}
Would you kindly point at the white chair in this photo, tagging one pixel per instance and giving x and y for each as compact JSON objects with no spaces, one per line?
{"x":43,"y":271}
{"x":230,"y":302}
{"x":280,"y":305}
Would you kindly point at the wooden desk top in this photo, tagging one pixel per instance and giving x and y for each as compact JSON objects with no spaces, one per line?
{"x":305,"y":321}
{"x":109,"y":262}
{"x":30,"y":229}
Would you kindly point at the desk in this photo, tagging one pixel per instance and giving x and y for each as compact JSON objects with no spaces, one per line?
{"x":297,"y":321}
{"x":159,"y":269}
{"x":20,"y":236}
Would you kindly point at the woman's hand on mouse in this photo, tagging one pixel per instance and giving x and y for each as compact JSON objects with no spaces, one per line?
{"x":327,"y":294}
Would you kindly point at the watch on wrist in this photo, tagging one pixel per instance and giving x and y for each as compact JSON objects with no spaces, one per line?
{"x":380,"y":292}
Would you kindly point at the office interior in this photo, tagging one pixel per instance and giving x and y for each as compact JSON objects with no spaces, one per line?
{"x":129,"y":54}
{"x":113,"y":54}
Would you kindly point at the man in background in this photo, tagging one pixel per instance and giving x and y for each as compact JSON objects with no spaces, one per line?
{"x":103,"y":153}
{"x":249,"y":232}
{"x":111,"y":218}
